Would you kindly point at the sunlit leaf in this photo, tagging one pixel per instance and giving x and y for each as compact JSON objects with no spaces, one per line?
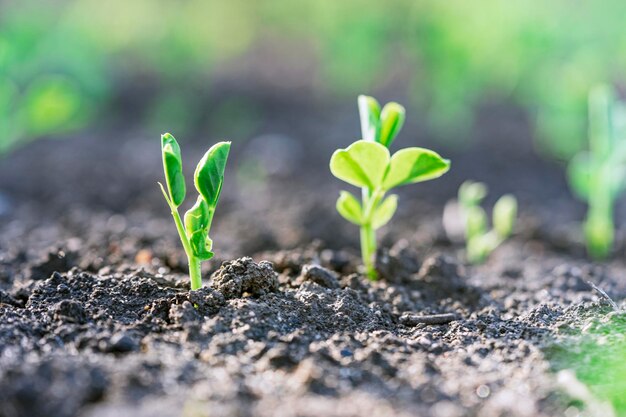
{"x":369,"y":111}
{"x":412,"y":165}
{"x":362,"y":164}
{"x":391,"y":121}
{"x":173,"y":166}
{"x":209,"y":175}
{"x":197,"y":217}
{"x":385,"y":211}
{"x":350,"y":208}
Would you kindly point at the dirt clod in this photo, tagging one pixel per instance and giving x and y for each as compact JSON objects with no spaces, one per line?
{"x":244,"y":276}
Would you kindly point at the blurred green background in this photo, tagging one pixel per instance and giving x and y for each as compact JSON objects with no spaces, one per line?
{"x":78,"y":64}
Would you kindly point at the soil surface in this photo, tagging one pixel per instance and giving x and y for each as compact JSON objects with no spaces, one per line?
{"x":97,"y":319}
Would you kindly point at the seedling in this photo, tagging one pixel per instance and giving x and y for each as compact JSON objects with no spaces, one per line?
{"x":208,"y":179}
{"x":368,"y":164}
{"x":479,"y":241}
{"x":597,"y":175}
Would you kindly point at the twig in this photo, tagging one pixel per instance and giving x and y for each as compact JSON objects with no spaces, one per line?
{"x":604,"y":295}
{"x":409,"y":319}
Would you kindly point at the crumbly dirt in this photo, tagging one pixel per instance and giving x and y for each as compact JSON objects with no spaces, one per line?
{"x":293,"y":335}
{"x":97,"y":319}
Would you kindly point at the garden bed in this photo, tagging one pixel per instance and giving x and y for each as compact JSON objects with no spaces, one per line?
{"x":96,"y":316}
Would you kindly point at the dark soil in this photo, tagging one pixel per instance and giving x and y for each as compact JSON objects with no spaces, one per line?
{"x":96,"y":316}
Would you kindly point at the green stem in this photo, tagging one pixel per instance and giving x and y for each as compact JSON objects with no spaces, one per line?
{"x":368,"y":250}
{"x":195,"y":273}
{"x":368,"y":234}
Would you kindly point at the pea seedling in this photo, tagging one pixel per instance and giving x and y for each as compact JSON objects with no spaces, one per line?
{"x":208,"y":179}
{"x":480,"y":242}
{"x":597,"y":175}
{"x":368,"y":164}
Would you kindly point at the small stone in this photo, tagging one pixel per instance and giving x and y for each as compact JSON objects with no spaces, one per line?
{"x":122,"y":343}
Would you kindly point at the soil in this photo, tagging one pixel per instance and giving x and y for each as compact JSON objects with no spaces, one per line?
{"x":97,"y":319}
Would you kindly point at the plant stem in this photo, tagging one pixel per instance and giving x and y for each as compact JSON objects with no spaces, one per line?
{"x":370,"y":199}
{"x":368,"y":250}
{"x":195,"y":272}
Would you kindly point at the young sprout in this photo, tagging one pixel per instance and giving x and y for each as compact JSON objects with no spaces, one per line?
{"x":208,"y":179}
{"x":597,"y":175}
{"x":480,"y":242}
{"x":368,"y":164}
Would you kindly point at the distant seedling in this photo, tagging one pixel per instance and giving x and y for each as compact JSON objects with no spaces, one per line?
{"x":480,"y":241}
{"x":208,"y":179}
{"x":597,"y":175}
{"x":368,"y":164}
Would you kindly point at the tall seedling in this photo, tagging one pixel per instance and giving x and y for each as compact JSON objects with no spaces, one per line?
{"x":597,"y":175}
{"x":208,"y":180}
{"x":368,"y":164}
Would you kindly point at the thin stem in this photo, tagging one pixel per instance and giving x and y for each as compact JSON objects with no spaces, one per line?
{"x":195,"y":272}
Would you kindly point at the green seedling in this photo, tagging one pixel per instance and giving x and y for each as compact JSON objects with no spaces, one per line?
{"x":480,"y":241}
{"x":597,"y":175}
{"x":368,"y":164}
{"x":208,"y":179}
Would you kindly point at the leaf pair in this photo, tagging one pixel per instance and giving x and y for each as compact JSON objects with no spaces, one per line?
{"x":369,"y":164}
{"x":350,"y":209}
{"x":378,"y":125}
{"x":208,"y":180}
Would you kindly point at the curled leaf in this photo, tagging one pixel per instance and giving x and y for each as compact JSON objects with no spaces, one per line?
{"x":173,"y":167}
{"x":201,"y":245}
{"x":197,"y":217}
{"x":362,"y":164}
{"x":391,"y":121}
{"x":350,"y":208}
{"x":412,"y":165}
{"x":209,"y":175}
{"x":385,"y":211}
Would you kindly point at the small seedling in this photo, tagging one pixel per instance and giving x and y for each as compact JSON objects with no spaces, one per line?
{"x":368,"y":164}
{"x":480,"y":242}
{"x":208,"y":179}
{"x":597,"y":175}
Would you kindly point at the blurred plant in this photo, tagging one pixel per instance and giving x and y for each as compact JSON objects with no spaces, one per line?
{"x":50,"y":77}
{"x":480,"y":241}
{"x":596,"y":353}
{"x":598,"y":175}
{"x":368,"y":164}
{"x":208,"y":179}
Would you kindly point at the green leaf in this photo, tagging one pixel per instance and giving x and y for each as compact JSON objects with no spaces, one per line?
{"x":412,"y":165}
{"x":391,"y":121}
{"x":385,"y":211}
{"x":173,"y":167}
{"x":579,"y":172}
{"x":197,"y":217}
{"x":362,"y":164}
{"x":200,"y":244}
{"x":504,"y":215}
{"x":350,"y":208}
{"x":209,"y":175}
{"x":472,"y":193}
{"x":369,"y":111}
